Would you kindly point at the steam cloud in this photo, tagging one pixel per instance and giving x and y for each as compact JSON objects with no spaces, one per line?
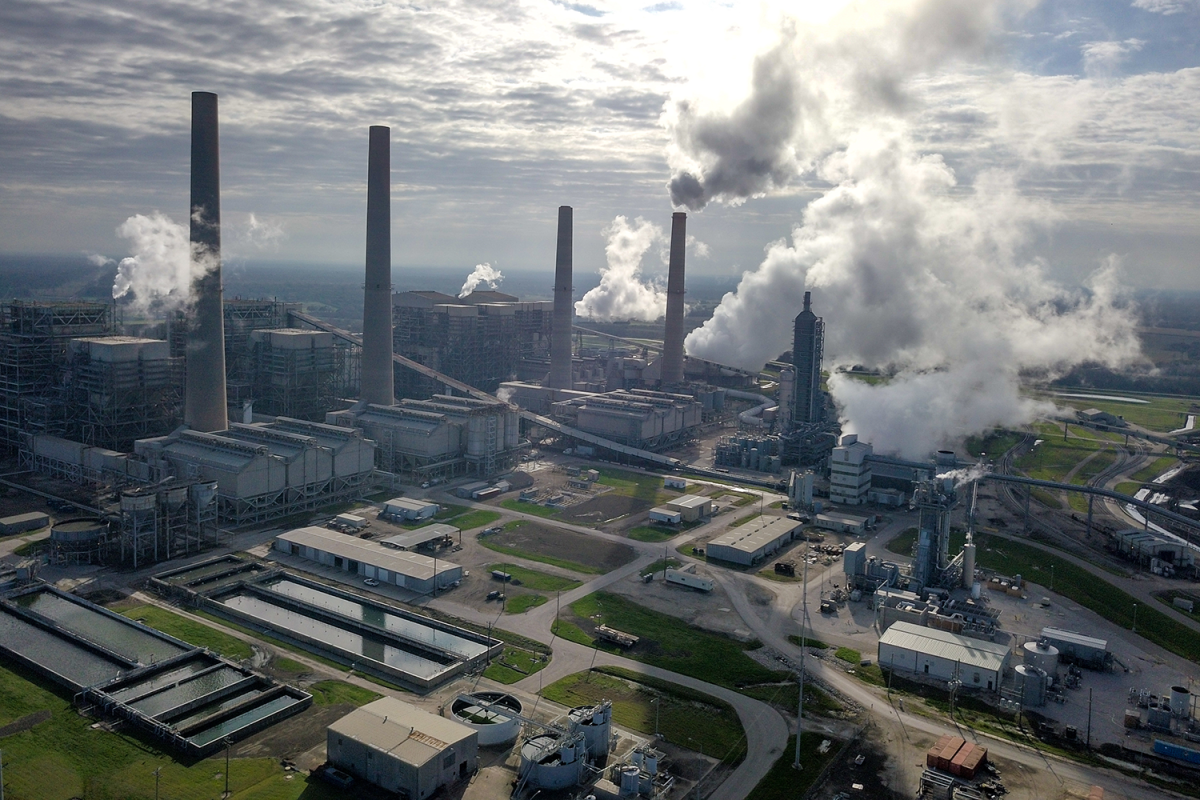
{"x":484,"y":273}
{"x":622,"y":294}
{"x":919,"y":276}
{"x":158,"y":274}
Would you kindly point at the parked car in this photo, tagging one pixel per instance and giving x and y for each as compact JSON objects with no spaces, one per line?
{"x":336,"y":777}
{"x":370,"y":582}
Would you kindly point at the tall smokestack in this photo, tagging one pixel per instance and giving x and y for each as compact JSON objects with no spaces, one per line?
{"x":560,"y":330}
{"x":672,"y":360}
{"x":808,"y":347}
{"x":378,"y":385}
{"x":204,"y":406}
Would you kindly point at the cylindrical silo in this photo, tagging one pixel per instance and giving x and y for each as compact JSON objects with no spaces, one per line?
{"x":1032,"y":683}
{"x":630,"y":782}
{"x":595,"y":723}
{"x":968,"y":573}
{"x":512,"y":430}
{"x":672,"y":358}
{"x":549,"y":762}
{"x":560,"y":325}
{"x":376,"y":375}
{"x":476,"y":431}
{"x":1042,"y":656}
{"x":485,"y":713}
{"x":1181,"y":702}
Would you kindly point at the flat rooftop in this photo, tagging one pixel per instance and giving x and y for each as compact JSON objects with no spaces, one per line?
{"x":943,"y":644}
{"x":339,"y":544}
{"x":756,"y":534}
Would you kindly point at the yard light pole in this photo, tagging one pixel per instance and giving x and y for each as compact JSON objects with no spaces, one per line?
{"x":156,"y":782}
{"x":657,"y":707}
{"x":1135,"y":617}
{"x":1052,"y":577}
{"x":228,"y":744}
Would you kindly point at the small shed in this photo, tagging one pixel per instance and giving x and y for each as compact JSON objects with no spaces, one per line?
{"x":691,"y":506}
{"x":670,"y":516}
{"x":405,"y":509}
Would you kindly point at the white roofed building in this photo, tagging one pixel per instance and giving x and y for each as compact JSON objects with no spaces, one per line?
{"x":943,"y":656}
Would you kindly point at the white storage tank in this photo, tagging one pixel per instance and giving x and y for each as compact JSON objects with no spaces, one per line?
{"x":512,"y":430}
{"x":484,"y":713}
{"x":548,"y":762}
{"x":1032,"y":683}
{"x":968,"y":572}
{"x":595,"y":723}
{"x":1181,"y":702}
{"x":630,"y":780}
{"x":1041,"y":655}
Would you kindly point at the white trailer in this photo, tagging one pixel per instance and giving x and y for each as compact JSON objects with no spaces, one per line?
{"x":690,"y":580}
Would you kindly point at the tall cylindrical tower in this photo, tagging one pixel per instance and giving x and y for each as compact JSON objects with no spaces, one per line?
{"x":808,"y":346}
{"x":560,"y":326}
{"x":672,"y":360}
{"x":377,"y":383}
{"x":204,"y":407}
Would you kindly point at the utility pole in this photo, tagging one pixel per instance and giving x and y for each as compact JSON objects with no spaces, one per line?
{"x":1,"y":775}
{"x":1089,"y":727}
{"x":228,"y":744}
{"x":156,"y":771}
{"x":800,"y":700}
{"x":1135,"y":618}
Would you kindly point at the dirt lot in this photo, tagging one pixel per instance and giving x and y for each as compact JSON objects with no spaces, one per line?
{"x":605,"y":508}
{"x":590,"y":551}
{"x":712,"y":610}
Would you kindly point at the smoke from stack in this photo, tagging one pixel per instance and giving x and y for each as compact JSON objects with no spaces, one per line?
{"x":672,"y":360}
{"x":377,"y":381}
{"x":204,"y":397}
{"x":560,"y":331}
{"x":622,"y":293}
{"x":932,"y":281}
{"x":483,"y":273}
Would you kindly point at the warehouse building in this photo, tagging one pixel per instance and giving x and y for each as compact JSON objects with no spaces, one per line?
{"x":754,"y":541}
{"x":398,"y":747}
{"x":842,"y":523}
{"x":1075,"y":648}
{"x":943,"y":656}
{"x":691,"y":507}
{"x":369,"y":559}
{"x":404,"y":508}
{"x":669,"y":516}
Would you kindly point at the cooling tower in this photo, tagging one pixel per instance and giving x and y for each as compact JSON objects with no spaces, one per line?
{"x":672,"y":360}
{"x":560,"y":330}
{"x":376,"y":380}
{"x":204,"y":399}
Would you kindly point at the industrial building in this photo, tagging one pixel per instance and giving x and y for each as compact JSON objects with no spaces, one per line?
{"x":439,"y":437}
{"x":754,"y":541}
{"x":668,"y":516}
{"x":850,"y":471}
{"x":398,"y":747}
{"x":639,"y":418}
{"x":842,"y":523}
{"x":943,"y":656}
{"x":1161,"y":553}
{"x":404,"y":508}
{"x":1076,"y":648}
{"x":266,"y":470}
{"x":424,"y":536}
{"x":691,"y":507}
{"x":369,"y":559}
{"x":480,"y":339}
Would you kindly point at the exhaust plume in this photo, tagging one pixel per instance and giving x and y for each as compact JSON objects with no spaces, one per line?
{"x":622,"y":294}
{"x":158,"y":274}
{"x":484,"y":273}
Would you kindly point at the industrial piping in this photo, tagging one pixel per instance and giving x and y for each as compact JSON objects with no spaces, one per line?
{"x":560,"y":330}
{"x":377,"y":381}
{"x":672,"y":359}
{"x":204,"y":406}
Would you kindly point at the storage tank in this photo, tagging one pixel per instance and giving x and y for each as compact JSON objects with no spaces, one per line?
{"x":976,"y":590}
{"x":476,"y":430}
{"x":1032,"y":683}
{"x":549,"y":762}
{"x":175,"y":498}
{"x":138,"y":502}
{"x":80,"y":530}
{"x":1041,"y":655}
{"x":595,"y":723}
{"x":968,"y":573}
{"x":1181,"y":702}
{"x":630,"y":782}
{"x":512,"y":430}
{"x":484,"y":713}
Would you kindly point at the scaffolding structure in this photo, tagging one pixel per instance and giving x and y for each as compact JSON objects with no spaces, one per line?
{"x":34,"y":339}
{"x":113,"y":402}
{"x":296,"y":373}
{"x":477,"y":345}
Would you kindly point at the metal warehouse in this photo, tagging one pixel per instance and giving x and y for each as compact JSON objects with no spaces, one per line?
{"x":368,"y":559}
{"x":421,"y":536}
{"x":942,"y":655}
{"x":753,"y":541}
{"x":691,"y":507}
{"x":401,"y":748}
{"x":843,"y":523}
{"x":1077,"y":648}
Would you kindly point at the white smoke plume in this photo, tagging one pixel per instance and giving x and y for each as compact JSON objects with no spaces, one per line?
{"x":962,"y":477}
{"x":622,"y":293}
{"x":484,"y":273}
{"x":255,"y":233}
{"x":97,"y":260}
{"x":157,"y":275}
{"x":928,"y":280}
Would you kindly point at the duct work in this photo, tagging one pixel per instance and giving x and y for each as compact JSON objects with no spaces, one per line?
{"x":672,"y":360}
{"x":204,"y":399}
{"x":560,"y":332}
{"x":378,"y":383}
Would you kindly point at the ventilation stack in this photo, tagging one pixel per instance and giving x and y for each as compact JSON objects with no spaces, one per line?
{"x":204,"y":406}
{"x":672,"y":360}
{"x":377,"y":381}
{"x":560,"y":330}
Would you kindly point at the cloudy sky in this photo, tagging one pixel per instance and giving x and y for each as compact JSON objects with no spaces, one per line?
{"x":501,"y":111}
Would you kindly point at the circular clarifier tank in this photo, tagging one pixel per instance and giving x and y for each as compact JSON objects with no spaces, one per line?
{"x":485,"y":713}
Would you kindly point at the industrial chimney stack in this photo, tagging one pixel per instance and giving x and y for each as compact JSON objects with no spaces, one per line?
{"x":672,"y":360}
{"x":204,"y":406}
{"x":560,"y":330}
{"x":377,"y":382}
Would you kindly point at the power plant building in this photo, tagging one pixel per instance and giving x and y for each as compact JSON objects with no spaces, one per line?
{"x":398,"y":747}
{"x":943,"y":656}
{"x":850,"y":471}
{"x":368,"y":559}
{"x":639,"y":418}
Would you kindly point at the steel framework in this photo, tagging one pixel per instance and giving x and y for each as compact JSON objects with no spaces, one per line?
{"x":301,"y":383}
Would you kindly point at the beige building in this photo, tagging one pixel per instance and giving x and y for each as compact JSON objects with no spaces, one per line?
{"x":691,"y":507}
{"x":400,"y":748}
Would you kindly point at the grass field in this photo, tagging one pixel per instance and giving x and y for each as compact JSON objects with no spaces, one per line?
{"x":516,"y":663}
{"x":1054,"y":457}
{"x":64,"y":758}
{"x":785,"y":783}
{"x":329,"y":693}
{"x":641,"y":702}
{"x":1092,"y":592}
{"x":190,"y":631}
{"x":1155,"y":468}
{"x":520,"y":603}
{"x":902,"y":543}
{"x":669,"y":643}
{"x":661,"y":565}
{"x":1162,"y":414}
{"x":635,"y":484}
{"x":538,"y":581}
{"x":474,"y":519}
{"x":785,"y":695}
{"x":653,"y":533}
{"x":545,"y":559}
{"x":529,"y":508}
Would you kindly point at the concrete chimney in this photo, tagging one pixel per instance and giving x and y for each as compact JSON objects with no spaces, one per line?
{"x":672,"y":359}
{"x":560,"y":329}
{"x":377,"y":383}
{"x":204,"y":398}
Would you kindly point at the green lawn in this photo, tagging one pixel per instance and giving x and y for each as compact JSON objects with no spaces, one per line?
{"x":1155,"y":468}
{"x":633,"y":484}
{"x":661,"y":565}
{"x":528,"y":508}
{"x":784,"y":696}
{"x":849,"y":655}
{"x":1054,"y":458}
{"x":538,"y":581}
{"x":808,"y":642}
{"x":639,"y":702}
{"x":64,"y":758}
{"x":1103,"y":460}
{"x":520,"y":603}
{"x":190,"y":631}
{"x":1016,"y":558}
{"x":475,"y":519}
{"x":654,"y":533}
{"x":670,"y":643}
{"x":1162,"y":414}
{"x":902,"y":543}
{"x":783,"y":782}
{"x":562,"y":563}
{"x":328,"y":693}
{"x":994,"y":444}
{"x":516,"y":663}
{"x":565,"y":629}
